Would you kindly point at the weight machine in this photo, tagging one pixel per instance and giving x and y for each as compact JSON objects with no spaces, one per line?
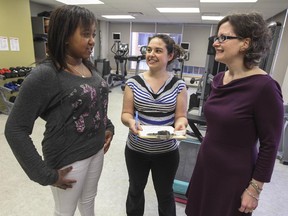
{"x":283,"y":145}
{"x":266,"y":63}
{"x":138,"y":58}
{"x":185,"y":56}
{"x":189,"y":149}
{"x":198,"y":99}
{"x":178,"y":71}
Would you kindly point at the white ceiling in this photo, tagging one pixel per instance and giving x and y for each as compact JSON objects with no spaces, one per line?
{"x":268,"y":8}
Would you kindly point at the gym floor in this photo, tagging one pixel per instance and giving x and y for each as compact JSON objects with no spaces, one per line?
{"x":22,"y":197}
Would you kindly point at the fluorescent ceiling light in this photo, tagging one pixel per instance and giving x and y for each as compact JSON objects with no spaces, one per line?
{"x":118,"y":16}
{"x":178,"y":10}
{"x":228,"y":1}
{"x":80,"y":2}
{"x":212,"y":18}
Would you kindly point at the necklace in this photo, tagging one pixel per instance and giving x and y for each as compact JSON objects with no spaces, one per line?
{"x":75,"y":70}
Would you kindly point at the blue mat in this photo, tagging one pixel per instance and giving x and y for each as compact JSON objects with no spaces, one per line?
{"x":188,"y":150}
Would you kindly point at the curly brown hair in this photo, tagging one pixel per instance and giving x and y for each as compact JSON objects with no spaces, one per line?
{"x":171,"y":46}
{"x":253,"y":26}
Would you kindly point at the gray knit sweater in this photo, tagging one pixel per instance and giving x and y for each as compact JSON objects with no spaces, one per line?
{"x":75,"y":111}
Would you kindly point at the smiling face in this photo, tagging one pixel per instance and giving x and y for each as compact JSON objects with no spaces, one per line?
{"x":157,"y":56}
{"x":228,"y":50}
{"x":81,"y":43}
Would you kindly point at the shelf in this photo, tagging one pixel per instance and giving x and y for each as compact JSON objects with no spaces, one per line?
{"x":40,"y":25}
{"x":40,"y":29}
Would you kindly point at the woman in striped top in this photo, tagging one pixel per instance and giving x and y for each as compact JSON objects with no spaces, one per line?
{"x":159,"y":98}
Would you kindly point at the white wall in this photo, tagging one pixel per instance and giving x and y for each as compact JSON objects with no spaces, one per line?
{"x":197,"y":36}
{"x":103,"y":39}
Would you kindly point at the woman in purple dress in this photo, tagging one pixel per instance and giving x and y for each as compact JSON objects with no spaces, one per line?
{"x":245,"y":107}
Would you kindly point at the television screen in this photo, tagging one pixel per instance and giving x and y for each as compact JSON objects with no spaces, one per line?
{"x":185,"y":45}
{"x":116,"y":36}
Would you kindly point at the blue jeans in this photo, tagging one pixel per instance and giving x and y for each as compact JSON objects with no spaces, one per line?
{"x":163,"y":169}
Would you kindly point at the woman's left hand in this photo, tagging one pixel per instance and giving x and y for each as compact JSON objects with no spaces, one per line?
{"x":248,"y":202}
{"x":108,"y":138}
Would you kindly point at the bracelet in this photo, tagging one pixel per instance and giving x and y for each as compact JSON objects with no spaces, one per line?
{"x":250,"y":194}
{"x":255,"y":186}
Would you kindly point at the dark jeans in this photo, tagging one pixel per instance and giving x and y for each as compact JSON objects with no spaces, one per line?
{"x":163,"y":168}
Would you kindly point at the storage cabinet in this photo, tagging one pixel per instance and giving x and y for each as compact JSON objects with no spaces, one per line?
{"x":40,"y":30}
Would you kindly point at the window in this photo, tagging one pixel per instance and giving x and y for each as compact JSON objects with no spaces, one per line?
{"x":139,"y":39}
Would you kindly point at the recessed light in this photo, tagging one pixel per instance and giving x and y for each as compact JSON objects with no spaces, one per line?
{"x":80,"y":2}
{"x":178,"y":10}
{"x":118,"y":16}
{"x":228,"y":1}
{"x":212,"y":18}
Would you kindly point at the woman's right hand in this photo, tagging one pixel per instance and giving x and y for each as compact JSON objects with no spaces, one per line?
{"x":134,"y":126}
{"x":62,"y":182}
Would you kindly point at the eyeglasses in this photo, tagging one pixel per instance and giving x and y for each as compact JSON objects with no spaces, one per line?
{"x":223,"y":38}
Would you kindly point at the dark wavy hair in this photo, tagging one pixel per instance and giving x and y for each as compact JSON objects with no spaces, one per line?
{"x":63,"y":23}
{"x":253,"y":26}
{"x":171,"y":46}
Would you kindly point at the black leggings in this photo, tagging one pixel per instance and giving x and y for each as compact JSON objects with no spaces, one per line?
{"x":163,"y":168}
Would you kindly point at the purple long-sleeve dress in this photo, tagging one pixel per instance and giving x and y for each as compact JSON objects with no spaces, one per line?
{"x":238,"y":114}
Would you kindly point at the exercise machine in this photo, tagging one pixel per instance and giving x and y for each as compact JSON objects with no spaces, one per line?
{"x":104,"y":69}
{"x":197,"y":100}
{"x":267,"y":63}
{"x":188,"y":150}
{"x":185,"y":56}
{"x":178,"y":71}
{"x":283,"y":145}
{"x":138,"y":59}
{"x":120,"y":51}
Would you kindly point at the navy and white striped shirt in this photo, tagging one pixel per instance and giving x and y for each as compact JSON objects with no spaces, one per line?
{"x":154,"y":109}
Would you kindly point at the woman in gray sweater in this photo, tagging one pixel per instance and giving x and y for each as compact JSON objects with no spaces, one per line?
{"x":65,"y":91}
